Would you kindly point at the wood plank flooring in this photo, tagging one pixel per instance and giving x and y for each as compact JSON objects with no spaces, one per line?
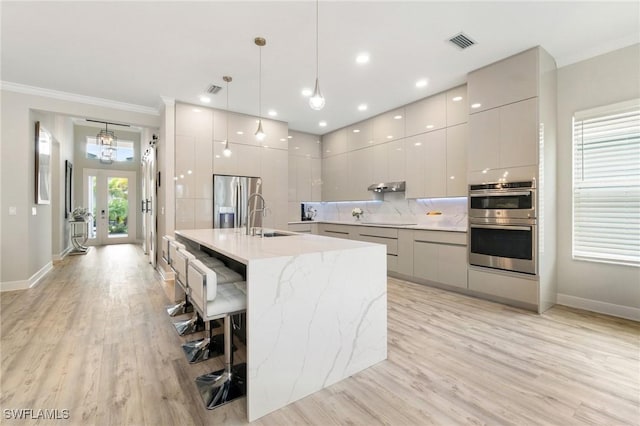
{"x":94,"y":338}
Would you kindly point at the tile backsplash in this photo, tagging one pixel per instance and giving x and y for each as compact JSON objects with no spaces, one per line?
{"x":394,"y":208}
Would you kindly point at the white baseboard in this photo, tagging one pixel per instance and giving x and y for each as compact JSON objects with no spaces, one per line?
{"x":621,"y":311}
{"x":14,"y":285}
{"x":25,"y":284}
{"x":59,"y":257}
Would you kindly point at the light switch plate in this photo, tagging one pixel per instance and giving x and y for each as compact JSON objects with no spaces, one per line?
{"x":34,"y":211}
{"x":13,"y":211}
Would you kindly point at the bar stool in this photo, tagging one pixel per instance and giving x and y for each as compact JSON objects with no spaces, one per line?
{"x":215,"y":301}
{"x":209,"y":346}
{"x":172,"y":246}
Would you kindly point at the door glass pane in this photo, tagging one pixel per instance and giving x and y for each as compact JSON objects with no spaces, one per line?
{"x":92,"y":207}
{"x":118,"y":207}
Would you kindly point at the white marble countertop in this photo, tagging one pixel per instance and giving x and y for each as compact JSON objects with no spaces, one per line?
{"x":388,"y":225}
{"x":238,"y":246}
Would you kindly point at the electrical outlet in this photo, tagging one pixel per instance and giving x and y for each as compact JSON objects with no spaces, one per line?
{"x":13,"y":211}
{"x":34,"y":211}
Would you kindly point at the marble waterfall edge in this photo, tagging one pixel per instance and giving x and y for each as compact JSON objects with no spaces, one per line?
{"x":313,"y":320}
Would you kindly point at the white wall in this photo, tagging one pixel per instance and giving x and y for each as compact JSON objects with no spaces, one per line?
{"x":603,"y":80}
{"x":26,"y":240}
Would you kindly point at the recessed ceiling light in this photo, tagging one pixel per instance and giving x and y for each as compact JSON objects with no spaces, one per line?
{"x":417,"y":144}
{"x":283,"y":140}
{"x":289,"y":137}
{"x":272,"y":113}
{"x":362,"y":58}
{"x":356,"y":130}
{"x":266,"y":146}
{"x":240,"y":132}
{"x":421,"y":83}
{"x":457,"y":99}
{"x":217,"y":156}
{"x":389,"y":136}
{"x":296,"y":147}
{"x":189,"y":172}
{"x":397,"y":117}
{"x":307,"y":92}
{"x":429,"y":126}
{"x":197,"y":110}
{"x":205,"y":99}
{"x":322,"y":124}
{"x":362,"y":107}
{"x":476,"y":105}
{"x":452,"y":177}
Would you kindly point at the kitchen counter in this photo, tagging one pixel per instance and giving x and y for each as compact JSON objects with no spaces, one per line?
{"x":434,"y":227}
{"x":316,"y":310}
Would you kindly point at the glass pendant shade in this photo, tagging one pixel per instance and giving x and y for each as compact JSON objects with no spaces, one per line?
{"x":260,"y":134}
{"x":316,"y":101}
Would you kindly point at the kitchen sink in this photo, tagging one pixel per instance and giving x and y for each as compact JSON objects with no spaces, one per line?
{"x":275,"y":234}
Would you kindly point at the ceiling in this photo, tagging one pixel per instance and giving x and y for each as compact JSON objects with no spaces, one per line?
{"x":136,"y":52}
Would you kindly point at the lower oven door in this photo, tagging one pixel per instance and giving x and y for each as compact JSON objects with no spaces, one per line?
{"x":510,"y":247}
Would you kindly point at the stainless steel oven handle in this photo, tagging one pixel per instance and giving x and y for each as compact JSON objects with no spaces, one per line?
{"x":500,"y":194}
{"x":505,"y":227}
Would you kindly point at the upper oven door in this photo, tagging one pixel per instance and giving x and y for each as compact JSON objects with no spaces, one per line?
{"x":517,"y":203}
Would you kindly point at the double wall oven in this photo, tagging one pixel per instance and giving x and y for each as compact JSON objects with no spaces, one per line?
{"x":502,"y":226}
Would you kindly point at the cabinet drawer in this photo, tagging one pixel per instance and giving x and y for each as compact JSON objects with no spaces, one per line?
{"x":391,"y":243}
{"x":443,"y":237}
{"x":300,"y":227}
{"x":337,"y":231}
{"x":506,"y":286}
{"x":378,"y":232}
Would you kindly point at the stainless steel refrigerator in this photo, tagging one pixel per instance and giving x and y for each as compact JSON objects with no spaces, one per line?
{"x":230,"y":197}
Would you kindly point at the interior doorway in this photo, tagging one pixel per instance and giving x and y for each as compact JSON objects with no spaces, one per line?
{"x":110,"y":196}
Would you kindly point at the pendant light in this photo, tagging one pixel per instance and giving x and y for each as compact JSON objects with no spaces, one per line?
{"x":316,"y":101}
{"x":260,"y":134}
{"x":227,"y":151}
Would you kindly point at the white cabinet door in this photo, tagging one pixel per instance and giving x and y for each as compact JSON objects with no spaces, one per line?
{"x":519,"y":134}
{"x":425,"y":260}
{"x":316,"y":179}
{"x":242,"y":129}
{"x":334,"y":143}
{"x":293,"y":178}
{"x":396,"y":161}
{"x":457,"y":106}
{"x":414,"y":148}
{"x":334,"y":178}
{"x":359,"y":174}
{"x":511,"y":80}
{"x":360,"y":135}
{"x":388,"y":126}
{"x":277,"y":132}
{"x":457,"y":137}
{"x":224,"y":165}
{"x":274,"y":178}
{"x":435,"y":165}
{"x":249,"y":158}
{"x":380,"y":172}
{"x":303,"y":179}
{"x":426,"y":115}
{"x":484,"y":140}
{"x":452,"y":265}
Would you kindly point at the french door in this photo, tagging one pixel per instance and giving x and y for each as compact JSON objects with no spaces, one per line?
{"x":110,"y":196}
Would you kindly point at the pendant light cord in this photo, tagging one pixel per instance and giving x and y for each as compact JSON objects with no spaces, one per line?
{"x":317,"y":37}
{"x":260,"y":84}
{"x":227,"y":116}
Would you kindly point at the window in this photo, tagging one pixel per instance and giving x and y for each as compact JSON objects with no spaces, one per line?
{"x":606,"y":184}
{"x":125,"y":151}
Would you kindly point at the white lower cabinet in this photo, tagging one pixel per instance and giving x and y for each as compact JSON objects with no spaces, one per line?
{"x":303,"y":228}
{"x":440,"y":257}
{"x":504,"y":285}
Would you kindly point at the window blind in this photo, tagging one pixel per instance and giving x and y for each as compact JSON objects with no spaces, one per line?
{"x":606,"y":185}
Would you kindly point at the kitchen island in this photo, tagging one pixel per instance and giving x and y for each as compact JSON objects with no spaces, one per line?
{"x":316,"y":310}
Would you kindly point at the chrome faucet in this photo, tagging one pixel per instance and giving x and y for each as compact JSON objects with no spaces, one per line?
{"x":251,"y":213}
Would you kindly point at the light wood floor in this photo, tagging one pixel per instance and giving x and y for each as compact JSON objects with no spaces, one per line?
{"x":94,"y":338}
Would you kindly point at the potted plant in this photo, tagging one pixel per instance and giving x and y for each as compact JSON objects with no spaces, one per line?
{"x":81,"y":213}
{"x":357,"y":212}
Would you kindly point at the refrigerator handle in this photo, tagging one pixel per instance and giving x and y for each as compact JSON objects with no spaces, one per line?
{"x":238,"y":205}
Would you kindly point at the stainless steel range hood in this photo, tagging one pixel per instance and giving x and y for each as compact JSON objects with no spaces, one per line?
{"x":388,"y":187}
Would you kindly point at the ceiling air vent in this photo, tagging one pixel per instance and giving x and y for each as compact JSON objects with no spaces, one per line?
{"x":462,"y":41}
{"x":213,"y":89}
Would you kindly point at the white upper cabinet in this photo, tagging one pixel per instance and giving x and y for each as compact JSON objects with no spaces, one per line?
{"x":334,"y":143}
{"x":457,"y":140}
{"x":388,"y":126}
{"x":457,"y":106}
{"x":360,"y":135}
{"x":359,"y":174}
{"x":380,"y":162}
{"x":426,"y":115}
{"x":504,"y":137}
{"x":194,"y":121}
{"x":508,"y":81}
{"x":305,"y":179}
{"x":435,"y":164}
{"x":334,"y":178}
{"x":276,"y":132}
{"x":304,"y":145}
{"x":396,"y":162}
{"x":415,"y":152}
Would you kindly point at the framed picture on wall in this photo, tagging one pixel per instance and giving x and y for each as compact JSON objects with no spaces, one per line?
{"x":68,"y":188}
{"x":43,"y":148}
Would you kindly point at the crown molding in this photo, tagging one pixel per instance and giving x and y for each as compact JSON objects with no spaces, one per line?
{"x":168,"y":101}
{"x":72,"y":97}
